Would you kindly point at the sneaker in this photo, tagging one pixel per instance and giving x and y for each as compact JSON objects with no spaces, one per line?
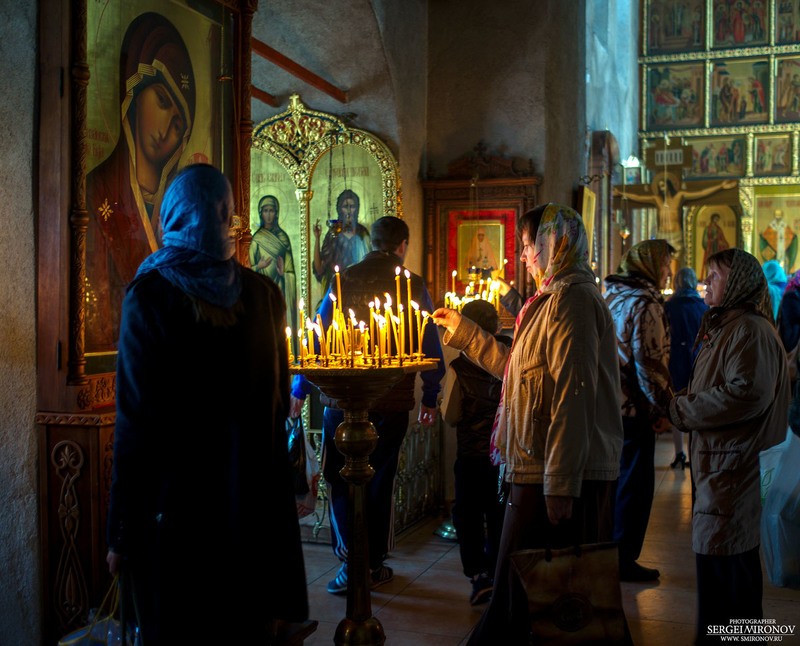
{"x":482,"y":587}
{"x":380,"y":575}
{"x":637,"y":573}
{"x":338,"y":585}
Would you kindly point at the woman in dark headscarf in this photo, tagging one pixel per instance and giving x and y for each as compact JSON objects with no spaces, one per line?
{"x":197,"y":473}
{"x":735,"y":406}
{"x":157,"y":106}
{"x":634,"y":297}
{"x":685,"y":311}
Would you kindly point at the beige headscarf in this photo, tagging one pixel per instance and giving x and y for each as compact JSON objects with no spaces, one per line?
{"x":645,"y":260}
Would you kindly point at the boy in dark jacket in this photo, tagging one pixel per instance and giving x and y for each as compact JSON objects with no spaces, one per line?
{"x":470,"y":401}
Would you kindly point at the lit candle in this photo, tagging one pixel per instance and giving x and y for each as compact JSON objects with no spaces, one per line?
{"x":352,"y":339}
{"x":323,"y":341}
{"x":387,"y":312}
{"x":380,"y":322}
{"x":338,"y":284}
{"x":301,"y":304}
{"x":425,"y":317}
{"x":415,"y":307}
{"x":397,"y":285}
{"x":304,"y":351}
{"x":453,"y":281}
{"x":310,"y":328}
{"x":401,"y":340}
{"x":372,"y":325}
{"x":364,"y":339}
{"x":410,"y":314}
{"x":289,"y":343}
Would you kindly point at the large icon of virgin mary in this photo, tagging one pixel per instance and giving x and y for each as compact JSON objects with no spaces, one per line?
{"x":123,"y":193}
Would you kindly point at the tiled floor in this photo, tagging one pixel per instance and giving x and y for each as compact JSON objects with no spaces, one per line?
{"x":427,"y":602}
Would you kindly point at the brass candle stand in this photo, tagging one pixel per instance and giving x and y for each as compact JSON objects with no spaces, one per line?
{"x":355,"y":390}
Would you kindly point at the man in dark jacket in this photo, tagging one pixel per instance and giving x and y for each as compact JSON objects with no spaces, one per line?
{"x":360,"y":284}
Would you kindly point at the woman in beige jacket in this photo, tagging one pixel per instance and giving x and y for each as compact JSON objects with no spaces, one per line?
{"x":735,"y":406}
{"x":558,"y":430}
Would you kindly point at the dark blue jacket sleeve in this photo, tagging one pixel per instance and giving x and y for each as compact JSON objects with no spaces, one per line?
{"x":432,"y":348}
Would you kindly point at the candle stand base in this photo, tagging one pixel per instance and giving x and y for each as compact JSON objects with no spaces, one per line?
{"x":354,"y":390}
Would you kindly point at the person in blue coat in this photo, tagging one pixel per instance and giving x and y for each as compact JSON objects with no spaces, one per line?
{"x":685,"y":311}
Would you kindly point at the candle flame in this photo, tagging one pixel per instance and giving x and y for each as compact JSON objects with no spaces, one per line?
{"x":454,"y":274}
{"x":407,"y":273}
{"x":415,"y":305}
{"x":288,"y":332}
{"x":397,"y":271}
{"x":301,"y":304}
{"x":336,"y":268}
{"x":388,"y":299}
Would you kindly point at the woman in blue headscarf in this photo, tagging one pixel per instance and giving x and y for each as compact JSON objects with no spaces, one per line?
{"x":200,"y":454}
{"x":776,"y":283}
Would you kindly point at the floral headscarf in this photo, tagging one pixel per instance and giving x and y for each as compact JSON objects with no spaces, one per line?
{"x":197,"y":256}
{"x":645,"y":260}
{"x":747,"y":285}
{"x":561,"y":244}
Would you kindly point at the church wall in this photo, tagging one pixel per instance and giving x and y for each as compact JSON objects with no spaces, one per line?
{"x":508,"y":73}
{"x":19,"y":542}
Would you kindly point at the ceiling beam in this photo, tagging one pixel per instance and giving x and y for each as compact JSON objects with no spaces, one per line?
{"x":295,"y":69}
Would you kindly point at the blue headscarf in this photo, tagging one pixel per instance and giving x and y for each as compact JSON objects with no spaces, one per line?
{"x":197,"y":256}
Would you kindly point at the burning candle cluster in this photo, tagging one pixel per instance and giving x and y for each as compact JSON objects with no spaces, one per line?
{"x":487,"y":290}
{"x":386,"y":340}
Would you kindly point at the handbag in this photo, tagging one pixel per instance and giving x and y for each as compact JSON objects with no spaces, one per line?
{"x":573,"y":594}
{"x":305,"y":467}
{"x":104,"y":628}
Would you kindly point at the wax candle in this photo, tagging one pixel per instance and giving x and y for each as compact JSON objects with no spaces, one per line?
{"x":425,"y":317}
{"x":397,"y":285}
{"x":301,"y":304}
{"x":352,"y":339}
{"x":323,"y":340}
{"x":380,"y":324}
{"x":289,"y":344}
{"x":338,"y":284}
{"x":401,"y":335}
{"x":410,"y":313}
{"x":303,"y":352}
{"x":415,"y":307}
{"x":387,"y":312}
{"x":372,"y":326}
{"x":310,"y":329}
{"x":453,"y":281}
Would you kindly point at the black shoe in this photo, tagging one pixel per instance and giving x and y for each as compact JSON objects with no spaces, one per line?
{"x":679,"y":461}
{"x":637,"y":573}
{"x":482,"y":587}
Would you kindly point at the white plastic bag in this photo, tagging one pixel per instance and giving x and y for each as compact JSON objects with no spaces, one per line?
{"x":780,"y":516}
{"x":305,"y":466}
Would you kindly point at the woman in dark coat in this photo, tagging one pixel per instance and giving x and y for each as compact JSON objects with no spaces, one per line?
{"x":202,"y":517}
{"x":685,"y":311}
